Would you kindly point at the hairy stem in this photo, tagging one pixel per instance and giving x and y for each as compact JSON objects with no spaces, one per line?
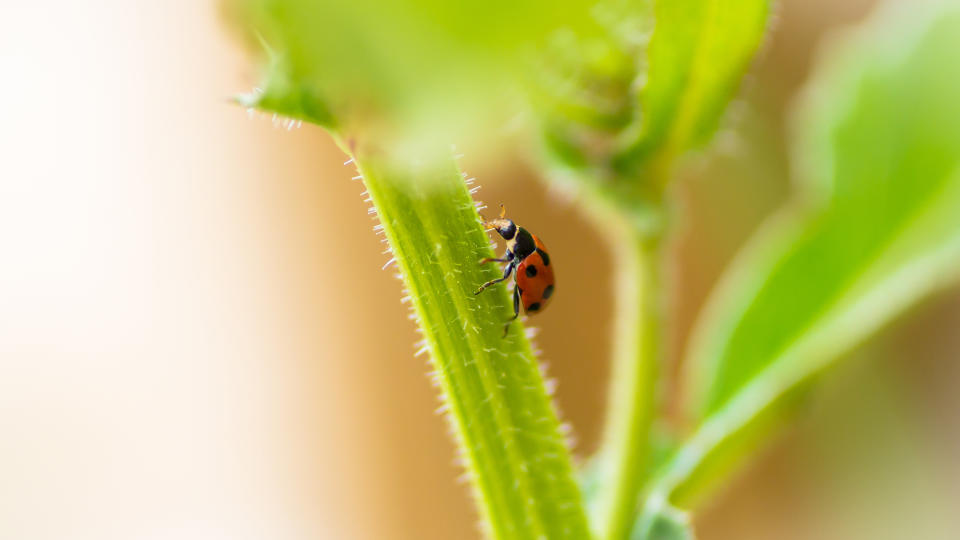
{"x":501,"y":414}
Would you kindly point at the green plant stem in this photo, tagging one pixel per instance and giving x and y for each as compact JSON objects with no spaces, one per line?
{"x":502,"y":418}
{"x":635,"y":371}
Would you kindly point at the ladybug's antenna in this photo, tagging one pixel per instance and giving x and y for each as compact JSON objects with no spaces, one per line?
{"x":503,"y":225}
{"x":495,"y":223}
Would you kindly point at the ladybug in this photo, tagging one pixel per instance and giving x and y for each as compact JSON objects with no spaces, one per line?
{"x":527,"y":255}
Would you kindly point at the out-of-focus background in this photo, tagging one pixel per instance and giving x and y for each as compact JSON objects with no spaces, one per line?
{"x":197,"y":339}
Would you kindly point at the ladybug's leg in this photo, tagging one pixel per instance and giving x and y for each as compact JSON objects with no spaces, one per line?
{"x":507,"y":257}
{"x":506,"y":274}
{"x":516,"y":310}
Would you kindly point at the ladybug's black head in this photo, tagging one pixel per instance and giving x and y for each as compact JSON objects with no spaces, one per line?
{"x":506,"y":227}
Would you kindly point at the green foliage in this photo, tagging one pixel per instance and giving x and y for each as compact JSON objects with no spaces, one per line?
{"x":499,"y":408}
{"x":696,"y":58}
{"x":416,"y":73}
{"x":283,"y":91}
{"x":621,"y":90}
{"x":879,"y":144}
{"x":623,"y":105}
{"x":620,"y":108}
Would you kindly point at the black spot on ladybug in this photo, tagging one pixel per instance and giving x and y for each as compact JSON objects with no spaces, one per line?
{"x":534,"y":306}
{"x":544,"y":256}
{"x":531,"y":271}
{"x":548,"y":292}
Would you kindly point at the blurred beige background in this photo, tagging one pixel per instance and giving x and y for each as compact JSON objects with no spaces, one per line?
{"x":197,"y":339}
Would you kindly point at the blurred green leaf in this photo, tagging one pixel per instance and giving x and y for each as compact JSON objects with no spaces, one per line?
{"x":284,"y":92}
{"x":697,"y":55}
{"x":585,"y":97}
{"x":422,"y":69}
{"x":617,"y":108}
{"x":879,"y":229}
{"x":507,"y":430}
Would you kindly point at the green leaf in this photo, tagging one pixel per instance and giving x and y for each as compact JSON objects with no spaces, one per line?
{"x":285,"y":92}
{"x":421,"y":71}
{"x":879,"y":229}
{"x":492,"y":386}
{"x":617,"y":109}
{"x":697,"y":55}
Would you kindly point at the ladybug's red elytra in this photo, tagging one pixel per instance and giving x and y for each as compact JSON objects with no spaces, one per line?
{"x":527,"y":255}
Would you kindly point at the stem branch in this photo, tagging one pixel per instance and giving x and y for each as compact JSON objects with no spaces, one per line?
{"x":633,"y":383}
